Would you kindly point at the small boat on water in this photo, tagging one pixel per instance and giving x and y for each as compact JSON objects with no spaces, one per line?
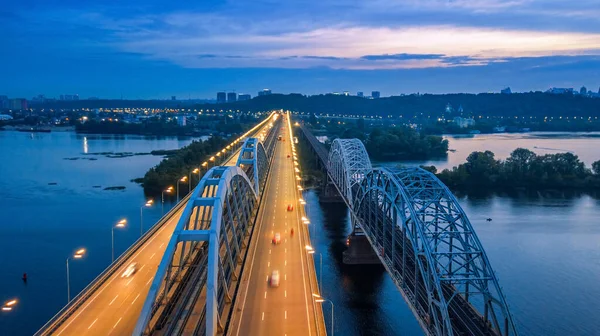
{"x":35,"y":129}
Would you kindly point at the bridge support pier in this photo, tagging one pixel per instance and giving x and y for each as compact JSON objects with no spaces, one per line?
{"x":359,"y":251}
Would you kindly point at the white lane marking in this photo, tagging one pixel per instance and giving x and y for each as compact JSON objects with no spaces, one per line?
{"x":128,"y":282}
{"x":269,"y":264}
{"x":135,"y":298}
{"x":269,"y":251}
{"x":285,"y":276}
{"x":263,"y":316}
{"x":286,"y":314}
{"x":265,"y":295}
{"x":152,"y":256}
{"x":267,"y":278}
{"x":161,"y":245}
{"x":285,"y":263}
{"x":93,"y":323}
{"x":141,"y":268}
{"x":285,"y":293}
{"x":149,"y":280}
{"x":285,"y":250}
{"x":113,"y":300}
{"x":117,"y":322}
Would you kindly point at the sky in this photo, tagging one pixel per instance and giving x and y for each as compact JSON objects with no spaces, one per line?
{"x":192,"y":49}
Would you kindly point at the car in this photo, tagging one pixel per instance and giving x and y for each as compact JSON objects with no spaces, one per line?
{"x":276,"y":238}
{"x":130,"y":270}
{"x":274,"y":279}
{"x":290,"y":207}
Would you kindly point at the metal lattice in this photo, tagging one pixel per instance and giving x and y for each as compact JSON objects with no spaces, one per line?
{"x":252,"y":155}
{"x":347,"y":165}
{"x":432,"y":253}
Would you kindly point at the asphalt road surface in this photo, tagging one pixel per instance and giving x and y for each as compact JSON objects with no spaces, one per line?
{"x":115,"y":307}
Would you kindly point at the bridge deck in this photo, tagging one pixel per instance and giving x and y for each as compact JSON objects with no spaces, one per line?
{"x":319,"y":148}
{"x":288,"y":309}
{"x":114,"y":308}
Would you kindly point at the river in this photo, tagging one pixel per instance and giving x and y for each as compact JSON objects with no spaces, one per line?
{"x":546,"y":250}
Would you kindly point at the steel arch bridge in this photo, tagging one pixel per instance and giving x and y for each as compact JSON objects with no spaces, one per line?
{"x":202,"y":261}
{"x":425,"y":241}
{"x":347,"y":164}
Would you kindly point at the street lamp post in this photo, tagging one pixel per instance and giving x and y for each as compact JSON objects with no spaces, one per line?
{"x":147,"y":205}
{"x":310,"y":250}
{"x":320,"y":299}
{"x":212,"y":159}
{"x":120,"y":224}
{"x":162,"y":197}
{"x":195,"y":171}
{"x":78,"y":255}
{"x":183,"y":179}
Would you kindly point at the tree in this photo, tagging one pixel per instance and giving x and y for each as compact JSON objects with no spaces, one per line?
{"x":360,"y":123}
{"x":596,"y":167}
{"x":313,"y":120}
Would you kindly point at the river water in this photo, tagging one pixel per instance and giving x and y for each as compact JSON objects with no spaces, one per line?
{"x":546,"y":250}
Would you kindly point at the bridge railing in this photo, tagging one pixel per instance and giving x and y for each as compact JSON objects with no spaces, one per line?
{"x":59,"y":318}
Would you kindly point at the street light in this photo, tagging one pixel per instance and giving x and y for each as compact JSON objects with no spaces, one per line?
{"x":195,"y":171}
{"x":312,"y":251}
{"x":9,"y":305}
{"x":320,"y":299}
{"x":77,"y":255}
{"x":120,"y":224}
{"x":212,"y":159}
{"x":147,"y":205}
{"x":183,"y":179}
{"x":162,"y":197}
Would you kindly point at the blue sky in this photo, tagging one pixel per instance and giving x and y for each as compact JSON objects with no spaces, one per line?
{"x":155,"y":49}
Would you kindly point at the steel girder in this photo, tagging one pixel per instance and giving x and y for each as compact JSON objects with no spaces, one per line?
{"x":432,"y":253}
{"x":254,"y":161}
{"x":208,"y":235}
{"x":347,"y":165}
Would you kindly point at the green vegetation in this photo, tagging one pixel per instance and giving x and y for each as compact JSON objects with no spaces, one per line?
{"x":180,"y":164}
{"x":522,"y":170}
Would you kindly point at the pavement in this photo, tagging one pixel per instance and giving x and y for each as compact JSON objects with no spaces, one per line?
{"x":115,"y":307}
{"x":289,"y":308}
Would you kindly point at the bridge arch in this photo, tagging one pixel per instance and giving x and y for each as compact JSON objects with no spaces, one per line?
{"x":210,"y":233}
{"x":254,"y":161}
{"x":430,"y":249}
{"x":347,"y":165}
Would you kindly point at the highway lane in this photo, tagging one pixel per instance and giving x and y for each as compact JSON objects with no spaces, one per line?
{"x":115,"y":307}
{"x":288,"y":308}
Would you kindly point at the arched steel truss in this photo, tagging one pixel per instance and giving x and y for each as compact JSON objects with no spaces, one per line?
{"x":347,"y":165}
{"x":431,"y":251}
{"x":210,"y":235}
{"x":252,"y":155}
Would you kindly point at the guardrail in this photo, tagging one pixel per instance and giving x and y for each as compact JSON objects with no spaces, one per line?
{"x":58,"y":319}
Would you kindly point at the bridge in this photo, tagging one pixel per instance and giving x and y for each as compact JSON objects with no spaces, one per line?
{"x":192,"y":262}
{"x":423,"y":238}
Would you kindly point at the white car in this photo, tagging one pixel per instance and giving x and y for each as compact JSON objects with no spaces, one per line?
{"x":274,"y":279}
{"x":277,"y":238}
{"x":130,"y":270}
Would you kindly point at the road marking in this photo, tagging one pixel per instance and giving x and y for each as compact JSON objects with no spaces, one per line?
{"x":285,"y":276}
{"x":113,"y":300}
{"x":92,"y":323}
{"x":152,"y":256}
{"x":286,"y":314}
{"x":149,"y":280}
{"x":265,"y":295}
{"x":128,"y":282}
{"x":285,"y":293}
{"x":285,"y":263}
{"x":267,"y":278}
{"x":285,"y":250}
{"x":263,"y":316}
{"x":135,"y":298}
{"x":161,"y":245}
{"x":269,"y":251}
{"x":269,"y":264}
{"x":117,"y":322}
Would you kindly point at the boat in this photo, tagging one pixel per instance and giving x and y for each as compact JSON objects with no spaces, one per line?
{"x":35,"y":129}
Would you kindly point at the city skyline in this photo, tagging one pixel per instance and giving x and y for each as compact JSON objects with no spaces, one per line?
{"x":154,"y":50}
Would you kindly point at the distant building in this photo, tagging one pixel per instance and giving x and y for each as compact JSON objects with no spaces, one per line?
{"x":17,"y":104}
{"x":360,"y":94}
{"x":264,"y":92}
{"x":506,"y":91}
{"x":181,"y":121}
{"x":3,"y":101}
{"x":463,"y":122}
{"x":560,"y":91}
{"x":244,"y":96}
{"x":346,"y":93}
{"x":583,"y":90}
{"x":375,"y":94}
{"x":173,"y":97}
{"x":231,"y":97}
{"x":221,"y":97}
{"x":69,"y":97}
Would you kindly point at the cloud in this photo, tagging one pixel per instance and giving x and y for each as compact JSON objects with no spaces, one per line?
{"x":402,"y":57}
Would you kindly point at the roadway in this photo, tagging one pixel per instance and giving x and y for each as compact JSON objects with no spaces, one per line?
{"x":289,"y":308}
{"x":115,"y":307}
